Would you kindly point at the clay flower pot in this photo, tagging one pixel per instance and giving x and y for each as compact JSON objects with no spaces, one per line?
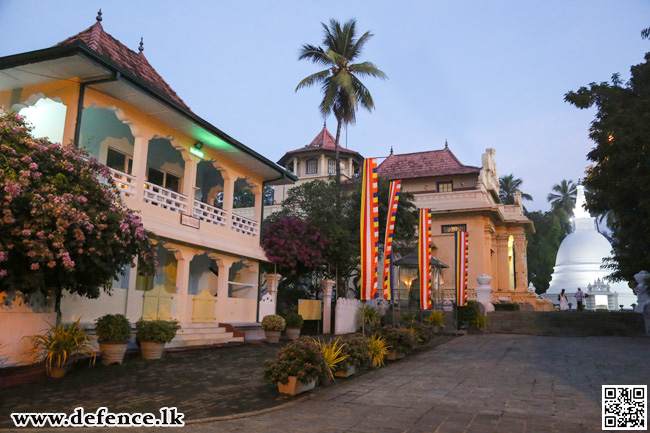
{"x":347,"y":372}
{"x":272,"y":336}
{"x":394,"y":355}
{"x":295,"y":387}
{"x":113,"y":353}
{"x":58,"y":372}
{"x":293,"y":333}
{"x":151,"y":350}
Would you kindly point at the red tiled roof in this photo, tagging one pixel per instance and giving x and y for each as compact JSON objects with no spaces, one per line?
{"x":424,"y":164}
{"x":95,"y":38}
{"x":323,"y":141}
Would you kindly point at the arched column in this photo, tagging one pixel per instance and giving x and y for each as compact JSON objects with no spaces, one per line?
{"x":224,"y":264}
{"x":521,"y":268}
{"x":502,"y":262}
{"x":184,"y":257}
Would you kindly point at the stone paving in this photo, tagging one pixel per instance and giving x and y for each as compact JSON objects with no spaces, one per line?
{"x":474,"y":384}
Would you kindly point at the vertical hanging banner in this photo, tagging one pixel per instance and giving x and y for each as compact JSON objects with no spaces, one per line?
{"x":462,"y":262}
{"x":369,"y":230}
{"x":424,"y":258}
{"x":393,"y":198}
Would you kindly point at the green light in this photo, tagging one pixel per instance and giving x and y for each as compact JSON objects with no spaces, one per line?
{"x":196,"y":152}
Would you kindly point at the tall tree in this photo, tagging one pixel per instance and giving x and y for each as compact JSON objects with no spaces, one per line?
{"x":618,"y":181}
{"x":564,"y":196}
{"x":342,"y":89}
{"x":550,"y":230}
{"x":508,"y":186}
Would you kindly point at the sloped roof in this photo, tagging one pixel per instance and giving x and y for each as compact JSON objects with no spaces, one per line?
{"x":323,"y":141}
{"x":95,"y":38}
{"x":424,"y":164}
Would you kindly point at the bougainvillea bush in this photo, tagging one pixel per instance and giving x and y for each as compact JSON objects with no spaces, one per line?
{"x":63,"y":223}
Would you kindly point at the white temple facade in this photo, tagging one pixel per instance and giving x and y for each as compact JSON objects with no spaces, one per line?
{"x":578,"y":264}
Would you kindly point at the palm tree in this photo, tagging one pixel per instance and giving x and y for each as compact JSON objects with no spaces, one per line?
{"x":508,"y":186}
{"x":342,"y":90}
{"x":564,"y":196}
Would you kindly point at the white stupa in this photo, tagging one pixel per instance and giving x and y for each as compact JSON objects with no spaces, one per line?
{"x":578,"y":264}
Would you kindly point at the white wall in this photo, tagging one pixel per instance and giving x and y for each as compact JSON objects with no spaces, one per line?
{"x":347,"y":315}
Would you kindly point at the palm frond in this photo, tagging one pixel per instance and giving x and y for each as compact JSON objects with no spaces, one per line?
{"x":358,"y":46}
{"x":368,"y":69}
{"x":318,"y":77}
{"x":330,"y":91}
{"x":363,"y":94}
{"x":314,"y":54}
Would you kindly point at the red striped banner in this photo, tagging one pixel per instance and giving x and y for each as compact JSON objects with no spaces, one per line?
{"x":369,"y":230}
{"x":393,"y":198}
{"x":424,"y":258}
{"x":462,"y":263}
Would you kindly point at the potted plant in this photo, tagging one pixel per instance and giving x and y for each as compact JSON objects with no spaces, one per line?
{"x":60,"y":346}
{"x":297,"y":367}
{"x":153,"y":334}
{"x":294,"y":323}
{"x":369,"y":316}
{"x":113,"y":334}
{"x":422,"y":332}
{"x":401,"y":341}
{"x":479,"y":324}
{"x":358,"y":356}
{"x":333,"y":356}
{"x":378,"y":348}
{"x":436,"y":319}
{"x":273,"y":326}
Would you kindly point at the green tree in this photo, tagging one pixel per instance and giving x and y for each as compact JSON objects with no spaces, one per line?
{"x":64,"y":225}
{"x":342,"y":89}
{"x":563,"y":196}
{"x":618,"y":181}
{"x":508,"y":185}
{"x":550,"y":230}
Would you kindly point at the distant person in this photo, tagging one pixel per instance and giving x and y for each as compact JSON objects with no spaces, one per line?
{"x":580,"y":295}
{"x":563,"y":300}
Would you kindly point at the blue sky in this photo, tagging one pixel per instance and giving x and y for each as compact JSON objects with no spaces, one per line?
{"x":478,"y":74}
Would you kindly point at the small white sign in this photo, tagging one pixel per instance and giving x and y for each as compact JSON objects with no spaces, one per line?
{"x":190,"y":221}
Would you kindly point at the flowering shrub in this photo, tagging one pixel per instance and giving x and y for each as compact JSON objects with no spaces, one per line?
{"x":295,"y":246}
{"x":399,"y":339}
{"x":422,"y":332}
{"x":357,"y":350}
{"x":63,"y":224}
{"x":301,"y":358}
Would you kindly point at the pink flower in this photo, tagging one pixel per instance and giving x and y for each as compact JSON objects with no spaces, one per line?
{"x":3,"y":272}
{"x":35,"y":266}
{"x":25,"y":232}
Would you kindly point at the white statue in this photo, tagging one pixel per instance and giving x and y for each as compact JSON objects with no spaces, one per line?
{"x":484,"y":292}
{"x":641,"y":291}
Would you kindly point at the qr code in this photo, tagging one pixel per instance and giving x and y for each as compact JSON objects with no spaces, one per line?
{"x":625,"y":407}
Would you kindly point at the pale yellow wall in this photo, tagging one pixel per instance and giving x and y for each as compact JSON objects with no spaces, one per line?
{"x":430,"y":184}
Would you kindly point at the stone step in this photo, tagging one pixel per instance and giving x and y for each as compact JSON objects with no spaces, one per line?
{"x":212,"y":330}
{"x":205,"y":342}
{"x":203,"y":336}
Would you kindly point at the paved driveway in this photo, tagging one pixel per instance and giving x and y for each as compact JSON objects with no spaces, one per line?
{"x":478,"y":383}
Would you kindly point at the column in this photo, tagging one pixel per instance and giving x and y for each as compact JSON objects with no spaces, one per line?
{"x":503,"y":279}
{"x":228,"y":194}
{"x":258,"y":205}
{"x":521,"y":264}
{"x":140,"y":152}
{"x":180,"y":307}
{"x":133,"y":308}
{"x":322,"y":166}
{"x":327,"y":285}
{"x":270,"y":306}
{"x":189,"y":181}
{"x":224,"y":265}
{"x":295,"y":166}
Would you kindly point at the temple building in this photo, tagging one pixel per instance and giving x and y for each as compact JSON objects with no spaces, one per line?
{"x":196,"y":188}
{"x":466,"y":198}
{"x":579,"y":264}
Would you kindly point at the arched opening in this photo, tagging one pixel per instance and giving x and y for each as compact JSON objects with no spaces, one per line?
{"x":160,"y":287}
{"x":165,"y":165}
{"x":46,"y":116}
{"x":204,"y":273}
{"x":243,"y":200}
{"x":105,"y":137}
{"x":511,"y":263}
{"x":242,"y":280}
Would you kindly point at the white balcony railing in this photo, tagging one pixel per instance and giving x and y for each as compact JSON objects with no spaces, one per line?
{"x":244,"y":225}
{"x":211,"y":214}
{"x":165,"y":198}
{"x":124,"y":182}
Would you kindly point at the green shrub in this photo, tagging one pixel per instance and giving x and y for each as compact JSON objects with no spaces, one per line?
{"x":435,"y":318}
{"x":506,"y":306}
{"x":468,"y":314}
{"x":156,"y":331}
{"x":301,"y":358}
{"x":113,"y":328}
{"x":399,"y":339}
{"x":406,"y":319}
{"x":293,"y":320}
{"x":479,"y":324}
{"x":273,"y":322}
{"x":424,"y":333}
{"x":356,"y":347}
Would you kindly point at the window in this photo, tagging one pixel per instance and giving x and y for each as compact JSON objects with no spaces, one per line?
{"x":164,"y":179}
{"x":331,"y":166}
{"x":453,"y":228}
{"x":119,"y":161}
{"x":312,"y":166}
{"x":445,"y":186}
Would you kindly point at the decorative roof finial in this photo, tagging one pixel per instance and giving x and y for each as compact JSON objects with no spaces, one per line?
{"x":391,"y":149}
{"x":141,"y":49}
{"x":99,"y":16}
{"x":446,"y":145}
{"x":579,"y":181}
{"x":325,"y":123}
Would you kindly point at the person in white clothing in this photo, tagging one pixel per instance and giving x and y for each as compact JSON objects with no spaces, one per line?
{"x":563,"y":300}
{"x":580,"y":295}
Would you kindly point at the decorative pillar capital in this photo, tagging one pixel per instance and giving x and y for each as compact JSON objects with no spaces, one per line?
{"x":272,"y":281}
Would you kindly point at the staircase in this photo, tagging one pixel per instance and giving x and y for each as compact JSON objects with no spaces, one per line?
{"x":566,"y":323}
{"x":204,"y":334}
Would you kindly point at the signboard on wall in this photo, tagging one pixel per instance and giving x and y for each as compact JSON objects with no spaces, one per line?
{"x":190,"y":221}
{"x":310,"y":309}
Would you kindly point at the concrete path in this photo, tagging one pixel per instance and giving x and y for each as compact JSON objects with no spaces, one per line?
{"x":474,"y":384}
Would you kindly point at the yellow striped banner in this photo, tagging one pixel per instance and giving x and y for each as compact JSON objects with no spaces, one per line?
{"x":393,"y":198}
{"x":462,"y":264}
{"x":424,"y":258}
{"x":369,"y":230}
